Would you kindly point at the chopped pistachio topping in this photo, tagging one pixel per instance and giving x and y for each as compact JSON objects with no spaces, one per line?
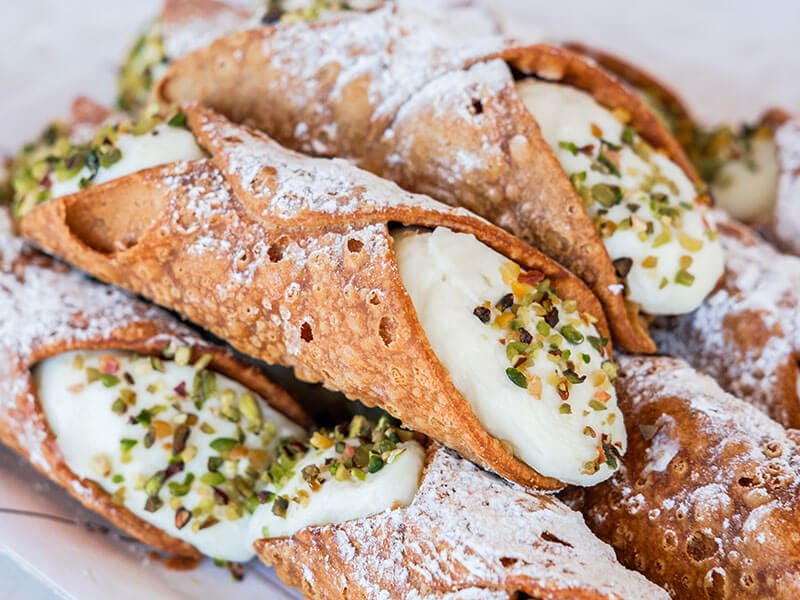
{"x":55,"y":158}
{"x":248,"y":466}
{"x":710,"y":150}
{"x":538,"y":326}
{"x":141,"y":68}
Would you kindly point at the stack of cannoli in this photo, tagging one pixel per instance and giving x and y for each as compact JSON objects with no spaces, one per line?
{"x":194,"y":452}
{"x":446,"y":225}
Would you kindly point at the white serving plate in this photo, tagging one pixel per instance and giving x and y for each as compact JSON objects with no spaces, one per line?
{"x":730,"y":60}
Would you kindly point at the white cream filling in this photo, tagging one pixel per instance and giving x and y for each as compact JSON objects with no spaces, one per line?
{"x":447,"y":275}
{"x":89,"y":435}
{"x":164,"y":144}
{"x":336,"y":501}
{"x":567,"y":116}
{"x":747,"y":189}
{"x":86,"y":428}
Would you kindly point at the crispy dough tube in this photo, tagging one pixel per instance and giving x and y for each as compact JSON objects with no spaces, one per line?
{"x":747,"y":333}
{"x":49,"y":310}
{"x":182,"y":26}
{"x":706,"y":502}
{"x":466,"y":532}
{"x":405,"y":104}
{"x":257,"y":265}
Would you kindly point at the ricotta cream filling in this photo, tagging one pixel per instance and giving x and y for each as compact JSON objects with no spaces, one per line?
{"x":163,"y":144}
{"x":747,"y":188}
{"x":662,"y":241}
{"x":554,"y":425}
{"x":116,"y":418}
{"x":340,"y":500}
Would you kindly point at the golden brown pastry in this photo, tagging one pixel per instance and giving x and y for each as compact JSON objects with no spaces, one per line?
{"x":466,"y":534}
{"x":747,"y":333}
{"x":416,"y":104}
{"x":706,"y":502}
{"x":502,"y":357}
{"x":76,"y":357}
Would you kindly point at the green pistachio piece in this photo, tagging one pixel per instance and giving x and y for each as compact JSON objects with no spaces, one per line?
{"x":222,"y":445}
{"x":517,"y":377}
{"x":572,"y":335}
{"x":250,"y":409}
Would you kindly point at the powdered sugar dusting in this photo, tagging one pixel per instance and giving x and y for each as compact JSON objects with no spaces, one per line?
{"x":293,"y":185}
{"x":721,"y":503}
{"x":474,"y":530}
{"x":188,"y":31}
{"x":396,"y":51}
{"x":700,"y":393}
{"x":455,"y":91}
{"x":747,"y":333}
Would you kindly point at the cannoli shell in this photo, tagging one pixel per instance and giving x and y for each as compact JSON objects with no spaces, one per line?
{"x":290,"y":259}
{"x":437,"y":115}
{"x":48,"y":310}
{"x":190,"y":24}
{"x":706,"y":501}
{"x":466,"y":534}
{"x":747,"y":333}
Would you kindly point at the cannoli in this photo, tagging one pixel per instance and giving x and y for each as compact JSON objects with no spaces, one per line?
{"x":747,"y":333}
{"x":706,"y":502}
{"x":185,"y":25}
{"x":751,"y":170}
{"x":123,"y":407}
{"x":754,"y":174}
{"x":182,"y":26}
{"x":504,"y":357}
{"x":615,"y":204}
{"x":466,"y":534}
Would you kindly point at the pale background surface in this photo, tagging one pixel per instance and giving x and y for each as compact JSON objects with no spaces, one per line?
{"x":730,"y":60}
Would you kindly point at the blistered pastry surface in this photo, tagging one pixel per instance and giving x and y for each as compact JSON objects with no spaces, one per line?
{"x":747,"y":332}
{"x":705,"y":501}
{"x":466,"y":532}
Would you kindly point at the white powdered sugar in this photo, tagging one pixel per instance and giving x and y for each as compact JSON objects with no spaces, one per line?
{"x":700,"y":392}
{"x":759,"y":284}
{"x":293,"y":185}
{"x":187,"y":32}
{"x":453,"y":93}
{"x":398,"y":51}
{"x":474,"y":530}
{"x":721,"y":501}
{"x":662,"y":448}
{"x":787,"y":209}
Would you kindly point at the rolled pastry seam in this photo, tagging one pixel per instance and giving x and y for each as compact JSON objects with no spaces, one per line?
{"x":56,"y":318}
{"x":438,"y":116}
{"x":747,"y":333}
{"x":186,"y":25}
{"x":466,"y":533}
{"x":706,"y":502}
{"x":291,"y":260}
